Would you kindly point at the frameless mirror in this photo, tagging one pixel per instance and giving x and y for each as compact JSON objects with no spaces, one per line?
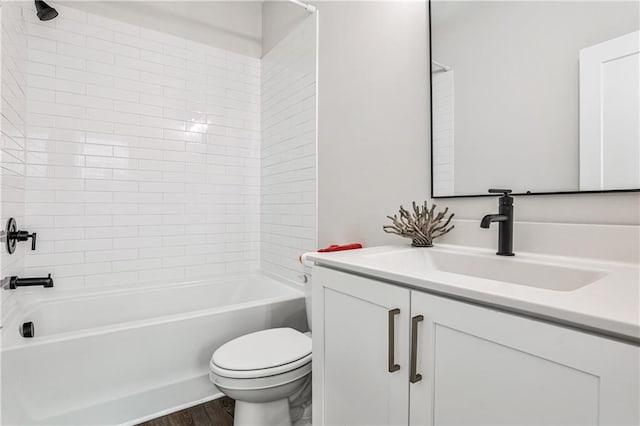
{"x":537,"y":96}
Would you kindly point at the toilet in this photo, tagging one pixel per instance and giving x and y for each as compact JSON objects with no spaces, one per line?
{"x":268,"y":374}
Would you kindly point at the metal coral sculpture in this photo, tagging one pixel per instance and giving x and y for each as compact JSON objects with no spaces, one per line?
{"x":421,"y":224}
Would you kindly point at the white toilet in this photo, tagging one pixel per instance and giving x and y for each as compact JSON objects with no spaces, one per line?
{"x":268,"y":373}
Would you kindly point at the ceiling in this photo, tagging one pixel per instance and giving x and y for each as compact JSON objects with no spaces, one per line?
{"x":233,"y":24}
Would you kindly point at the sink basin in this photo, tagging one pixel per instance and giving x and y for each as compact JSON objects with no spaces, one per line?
{"x":511,"y":270}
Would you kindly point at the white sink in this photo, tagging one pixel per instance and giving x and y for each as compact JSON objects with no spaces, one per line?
{"x":590,"y":293}
{"x":492,"y":267}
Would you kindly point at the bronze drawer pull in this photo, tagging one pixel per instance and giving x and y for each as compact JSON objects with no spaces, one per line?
{"x":392,"y":341}
{"x":413,"y":375}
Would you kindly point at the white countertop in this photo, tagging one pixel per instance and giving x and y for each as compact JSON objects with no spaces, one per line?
{"x":609,"y":305}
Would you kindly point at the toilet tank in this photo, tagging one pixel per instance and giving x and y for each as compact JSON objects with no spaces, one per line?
{"x":307,"y":298}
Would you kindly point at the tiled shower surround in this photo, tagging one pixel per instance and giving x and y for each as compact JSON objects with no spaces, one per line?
{"x":143,"y":154}
{"x":13,"y":128}
{"x":288,"y":190}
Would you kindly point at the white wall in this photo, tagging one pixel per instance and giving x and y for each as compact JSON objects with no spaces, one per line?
{"x":13,"y":132}
{"x":373,"y":132}
{"x":288,"y":147}
{"x":143,"y":158}
{"x":373,"y":116}
{"x":516,"y":86}
{"x":234,"y":25}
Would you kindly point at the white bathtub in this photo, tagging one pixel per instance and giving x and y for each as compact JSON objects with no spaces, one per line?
{"x":124,"y":356}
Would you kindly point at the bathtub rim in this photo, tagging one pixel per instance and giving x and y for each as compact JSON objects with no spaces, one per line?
{"x":31,"y":301}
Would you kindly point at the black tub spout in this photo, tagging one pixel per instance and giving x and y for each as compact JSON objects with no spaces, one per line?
{"x":14,"y":282}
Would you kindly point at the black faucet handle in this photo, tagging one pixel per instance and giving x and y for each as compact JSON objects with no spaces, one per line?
{"x":14,"y":235}
{"x":500,"y":191}
{"x":24,"y":236}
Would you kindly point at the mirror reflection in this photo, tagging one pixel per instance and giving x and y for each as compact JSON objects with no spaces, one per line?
{"x":535,"y":96}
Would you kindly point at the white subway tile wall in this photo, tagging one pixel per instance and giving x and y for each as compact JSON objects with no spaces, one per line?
{"x":13,"y":66}
{"x":289,"y":152}
{"x":142,"y":153}
{"x":443,"y":133}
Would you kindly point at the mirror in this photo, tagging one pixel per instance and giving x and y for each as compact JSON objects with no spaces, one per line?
{"x":539,"y":97}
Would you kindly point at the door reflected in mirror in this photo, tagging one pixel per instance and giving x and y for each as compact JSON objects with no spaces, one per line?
{"x":535,"y":96}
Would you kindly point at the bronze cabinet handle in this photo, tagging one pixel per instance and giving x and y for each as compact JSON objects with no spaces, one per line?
{"x":392,"y":341}
{"x":413,"y":375}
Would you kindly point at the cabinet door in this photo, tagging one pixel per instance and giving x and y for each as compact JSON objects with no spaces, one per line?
{"x":360,"y":350}
{"x":485,"y":367}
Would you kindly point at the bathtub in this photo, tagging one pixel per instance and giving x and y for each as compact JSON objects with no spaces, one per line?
{"x":128,"y":355}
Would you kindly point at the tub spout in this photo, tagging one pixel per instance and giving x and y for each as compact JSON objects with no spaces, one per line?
{"x":11,"y":283}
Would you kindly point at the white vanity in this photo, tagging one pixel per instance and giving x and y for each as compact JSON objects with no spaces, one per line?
{"x":453,"y":335}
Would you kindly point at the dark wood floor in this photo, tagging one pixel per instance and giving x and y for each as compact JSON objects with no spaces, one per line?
{"x":218,"y":412}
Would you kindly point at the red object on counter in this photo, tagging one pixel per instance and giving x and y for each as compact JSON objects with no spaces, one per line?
{"x":335,"y":247}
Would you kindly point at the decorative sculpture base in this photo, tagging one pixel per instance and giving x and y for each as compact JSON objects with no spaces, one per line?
{"x":421,"y":244}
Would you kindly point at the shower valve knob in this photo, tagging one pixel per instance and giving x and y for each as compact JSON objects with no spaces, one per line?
{"x":14,"y":235}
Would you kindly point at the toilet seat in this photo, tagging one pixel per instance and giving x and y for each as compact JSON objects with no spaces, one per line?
{"x":259,"y":373}
{"x":263,"y":354}
{"x":260,"y":383}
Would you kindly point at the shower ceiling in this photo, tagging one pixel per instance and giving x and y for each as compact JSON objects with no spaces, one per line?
{"x":201,"y":21}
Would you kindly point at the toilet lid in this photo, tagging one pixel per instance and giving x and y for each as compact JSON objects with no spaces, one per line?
{"x":264,"y":350}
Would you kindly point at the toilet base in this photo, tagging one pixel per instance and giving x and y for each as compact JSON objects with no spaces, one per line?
{"x":274,"y":413}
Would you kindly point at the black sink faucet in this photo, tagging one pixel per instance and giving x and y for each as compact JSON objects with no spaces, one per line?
{"x":505,"y":220}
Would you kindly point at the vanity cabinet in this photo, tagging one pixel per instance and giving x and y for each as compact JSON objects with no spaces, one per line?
{"x":459,"y":363}
{"x":363,"y":341}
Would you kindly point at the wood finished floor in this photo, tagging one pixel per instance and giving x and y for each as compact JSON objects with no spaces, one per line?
{"x":218,"y":412}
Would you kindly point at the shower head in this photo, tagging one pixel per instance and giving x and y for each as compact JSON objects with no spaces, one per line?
{"x":45,"y":12}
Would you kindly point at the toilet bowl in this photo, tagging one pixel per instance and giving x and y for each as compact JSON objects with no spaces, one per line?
{"x":262,"y":371}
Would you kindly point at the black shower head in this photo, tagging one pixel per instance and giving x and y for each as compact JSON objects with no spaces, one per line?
{"x":45,"y":12}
